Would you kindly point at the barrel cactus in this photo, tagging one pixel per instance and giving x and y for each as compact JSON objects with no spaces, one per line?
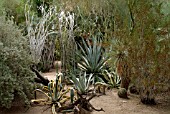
{"x":122,"y":93}
{"x":134,"y":90}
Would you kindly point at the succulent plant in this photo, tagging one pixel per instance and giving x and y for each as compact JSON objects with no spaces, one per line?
{"x":112,"y":78}
{"x":56,"y":94}
{"x":92,"y":57}
{"x":82,"y":82}
{"x":122,"y":93}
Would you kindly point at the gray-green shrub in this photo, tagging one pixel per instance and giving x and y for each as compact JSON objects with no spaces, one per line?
{"x":15,"y":74}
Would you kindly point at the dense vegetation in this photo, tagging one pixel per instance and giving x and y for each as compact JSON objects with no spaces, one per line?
{"x":16,"y":77}
{"x":107,"y":40}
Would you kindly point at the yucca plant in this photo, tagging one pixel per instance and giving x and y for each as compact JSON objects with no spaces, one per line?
{"x":92,"y":57}
{"x":119,"y":62}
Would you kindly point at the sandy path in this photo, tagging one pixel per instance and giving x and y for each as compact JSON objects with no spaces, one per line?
{"x":112,"y":104}
{"x":51,"y":75}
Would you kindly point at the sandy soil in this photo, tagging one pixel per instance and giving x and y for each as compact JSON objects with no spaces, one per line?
{"x":110,"y":102}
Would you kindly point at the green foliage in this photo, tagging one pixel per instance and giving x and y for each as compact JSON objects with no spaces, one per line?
{"x":93,"y":19}
{"x":37,"y":3}
{"x":1,"y":8}
{"x":54,"y":91}
{"x":56,"y":94}
{"x":112,"y":78}
{"x":165,"y":7}
{"x":66,"y":41}
{"x":92,"y":57}
{"x":143,"y":32}
{"x":15,"y":75}
{"x":82,"y":83}
{"x":137,"y":29}
{"x":14,"y":9}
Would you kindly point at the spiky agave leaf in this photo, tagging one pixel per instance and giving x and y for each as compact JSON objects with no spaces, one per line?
{"x":38,"y":101}
{"x":112,"y":78}
{"x":92,"y":57}
{"x":53,"y":109}
{"x":82,"y":83}
{"x":63,"y":95}
{"x":76,"y":82}
{"x":39,"y":90}
{"x":55,"y":93}
{"x":88,"y":81}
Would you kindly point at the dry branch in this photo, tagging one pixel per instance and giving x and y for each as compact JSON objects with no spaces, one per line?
{"x":40,"y":79}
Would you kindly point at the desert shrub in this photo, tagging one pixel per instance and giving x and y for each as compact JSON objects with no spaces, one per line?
{"x":141,"y":28}
{"x":15,"y":75}
{"x":14,"y":9}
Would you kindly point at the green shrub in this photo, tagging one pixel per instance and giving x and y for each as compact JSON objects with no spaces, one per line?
{"x":15,"y":75}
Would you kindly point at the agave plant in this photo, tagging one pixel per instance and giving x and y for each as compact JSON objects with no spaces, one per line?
{"x":56,"y":94}
{"x":82,"y":102}
{"x":82,"y":83}
{"x":112,"y":78}
{"x":92,"y":57}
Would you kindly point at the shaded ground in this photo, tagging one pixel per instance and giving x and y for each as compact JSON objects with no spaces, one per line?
{"x":110,"y":102}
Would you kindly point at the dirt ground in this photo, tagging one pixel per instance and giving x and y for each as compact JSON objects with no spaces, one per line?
{"x":110,"y":102}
